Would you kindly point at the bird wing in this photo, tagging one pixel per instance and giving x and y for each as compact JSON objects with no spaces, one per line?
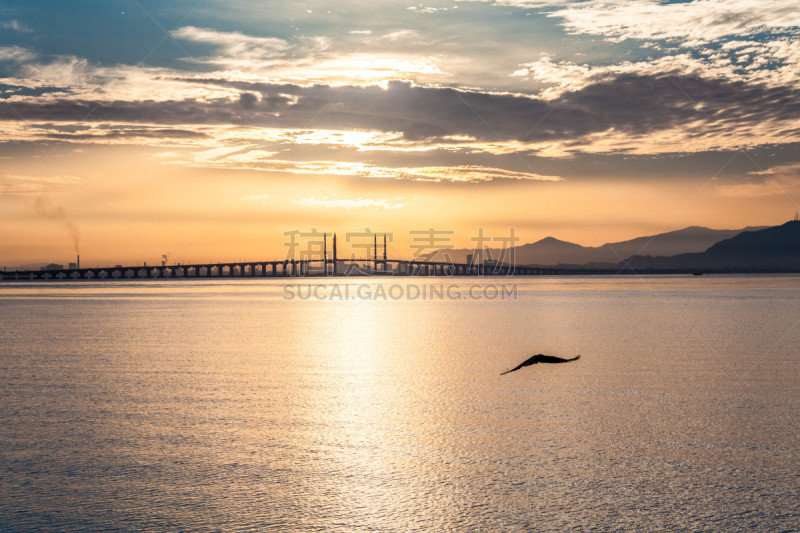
{"x":513,"y":369}
{"x":526,"y":362}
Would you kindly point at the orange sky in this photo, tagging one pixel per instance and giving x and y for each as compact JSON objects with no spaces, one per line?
{"x":137,"y":211}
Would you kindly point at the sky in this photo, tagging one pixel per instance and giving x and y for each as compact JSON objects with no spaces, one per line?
{"x":206,"y":130}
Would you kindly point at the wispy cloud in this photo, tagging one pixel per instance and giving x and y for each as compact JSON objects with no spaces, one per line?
{"x":259,"y":197}
{"x":233,"y":44}
{"x":350,"y":203}
{"x":306,"y":59}
{"x":15,"y":184}
{"x":460,"y":173}
{"x":524,"y":3}
{"x":265,"y":161}
{"x":426,"y":10}
{"x":782,"y":180}
{"x":17,"y":54}
{"x":15,"y":25}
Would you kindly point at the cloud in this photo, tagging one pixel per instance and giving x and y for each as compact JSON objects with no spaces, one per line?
{"x":566,"y":76}
{"x":65,"y":76}
{"x":109,"y":133}
{"x":715,"y":100}
{"x":365,"y":68}
{"x":401,"y":34}
{"x":235,"y":50}
{"x":427,"y":10}
{"x":13,"y":184}
{"x":259,"y":197}
{"x":526,"y":4}
{"x":16,"y":54}
{"x":306,"y":59}
{"x":350,"y":203}
{"x":129,"y":134}
{"x":234,"y":43}
{"x":636,"y":107}
{"x":15,"y":25}
{"x":782,"y":180}
{"x":703,"y":101}
{"x":701,"y":20}
{"x":237,"y":158}
{"x":460,"y":173}
{"x":254,"y":158}
{"x":735,"y":40}
{"x":775,"y":63}
{"x":625,"y":105}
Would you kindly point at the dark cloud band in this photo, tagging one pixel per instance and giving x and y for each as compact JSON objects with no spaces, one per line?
{"x":629,"y":104}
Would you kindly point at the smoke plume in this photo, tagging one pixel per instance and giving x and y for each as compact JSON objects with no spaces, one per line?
{"x":44,"y":208}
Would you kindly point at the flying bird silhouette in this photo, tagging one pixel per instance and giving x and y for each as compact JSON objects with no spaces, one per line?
{"x":541,"y":358}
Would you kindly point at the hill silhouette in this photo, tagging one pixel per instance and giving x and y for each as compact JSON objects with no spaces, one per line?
{"x":776,"y":248}
{"x":552,"y":251}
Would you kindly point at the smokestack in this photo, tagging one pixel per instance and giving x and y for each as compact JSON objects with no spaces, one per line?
{"x":79,"y":261}
{"x":325,"y":253}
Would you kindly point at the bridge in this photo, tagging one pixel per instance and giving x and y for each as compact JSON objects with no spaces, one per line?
{"x":285,"y":268}
{"x":324,"y":265}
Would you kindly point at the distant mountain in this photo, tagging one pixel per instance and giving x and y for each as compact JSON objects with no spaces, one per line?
{"x":551,"y":251}
{"x":688,"y":240}
{"x":776,"y":248}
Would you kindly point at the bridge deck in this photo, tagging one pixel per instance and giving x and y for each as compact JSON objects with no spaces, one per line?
{"x":301,"y":268}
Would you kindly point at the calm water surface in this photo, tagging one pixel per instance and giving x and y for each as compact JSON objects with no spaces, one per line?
{"x":221,"y":405}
